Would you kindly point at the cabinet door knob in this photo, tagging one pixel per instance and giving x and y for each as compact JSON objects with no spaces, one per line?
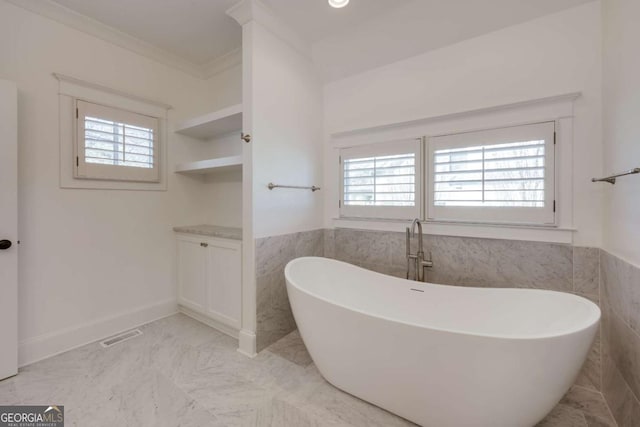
{"x":5,"y":244}
{"x":204,"y":245}
{"x":245,"y":137}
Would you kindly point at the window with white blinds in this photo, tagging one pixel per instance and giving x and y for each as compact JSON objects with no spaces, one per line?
{"x":500,"y":175}
{"x":381,"y":181}
{"x":114,"y":144}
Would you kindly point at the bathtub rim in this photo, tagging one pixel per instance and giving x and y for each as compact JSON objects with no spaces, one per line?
{"x":594,"y":319}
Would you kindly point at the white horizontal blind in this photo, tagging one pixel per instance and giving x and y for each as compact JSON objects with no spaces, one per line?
{"x":509,"y":174}
{"x":109,"y":142}
{"x":114,"y":144}
{"x":381,"y":181}
{"x":500,"y":175}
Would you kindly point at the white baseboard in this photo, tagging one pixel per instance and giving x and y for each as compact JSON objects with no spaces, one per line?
{"x":247,"y":341}
{"x":232,"y":332}
{"x":44,"y":346}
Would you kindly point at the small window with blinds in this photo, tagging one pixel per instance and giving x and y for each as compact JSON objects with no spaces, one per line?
{"x":114,"y":144}
{"x":381,"y":180}
{"x":496,"y":176}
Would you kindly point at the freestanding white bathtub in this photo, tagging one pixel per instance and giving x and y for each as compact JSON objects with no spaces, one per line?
{"x":438,"y":355}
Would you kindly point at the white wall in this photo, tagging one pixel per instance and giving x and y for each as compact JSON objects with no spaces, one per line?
{"x":282,"y":111}
{"x":552,"y":55}
{"x":287,"y":136}
{"x":621,"y":126}
{"x":92,"y":261}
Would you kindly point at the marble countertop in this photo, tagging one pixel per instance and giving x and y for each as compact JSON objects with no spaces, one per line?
{"x":211,"y":231}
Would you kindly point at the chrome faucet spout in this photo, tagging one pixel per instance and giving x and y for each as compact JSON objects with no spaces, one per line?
{"x":413,"y":233}
{"x":420,"y":262}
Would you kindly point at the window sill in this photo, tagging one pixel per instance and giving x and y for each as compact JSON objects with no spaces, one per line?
{"x":485,"y":231}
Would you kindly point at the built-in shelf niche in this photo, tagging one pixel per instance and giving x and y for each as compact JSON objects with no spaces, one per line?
{"x":210,"y":165}
{"x":212,"y":125}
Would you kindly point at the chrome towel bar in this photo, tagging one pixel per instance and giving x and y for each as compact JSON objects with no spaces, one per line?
{"x":271,"y":186}
{"x":612,"y":179}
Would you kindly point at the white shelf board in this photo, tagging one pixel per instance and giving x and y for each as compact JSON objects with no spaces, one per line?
{"x":210,"y":165}
{"x":214,"y":124}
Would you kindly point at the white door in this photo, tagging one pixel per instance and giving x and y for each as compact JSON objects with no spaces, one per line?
{"x":8,"y":229}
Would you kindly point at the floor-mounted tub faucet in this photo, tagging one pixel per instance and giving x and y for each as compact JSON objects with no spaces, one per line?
{"x":420,"y":263}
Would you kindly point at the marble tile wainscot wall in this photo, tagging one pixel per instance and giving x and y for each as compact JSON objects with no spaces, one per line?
{"x":465,"y":261}
{"x":274,"y":317}
{"x":621,"y":338}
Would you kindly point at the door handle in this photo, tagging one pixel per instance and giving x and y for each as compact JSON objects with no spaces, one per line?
{"x":5,"y":244}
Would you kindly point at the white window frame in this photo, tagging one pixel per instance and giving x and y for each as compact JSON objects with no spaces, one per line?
{"x":559,"y":108}
{"x":412,"y":145}
{"x":71,"y":90}
{"x":495,"y":215}
{"x":87,"y":170}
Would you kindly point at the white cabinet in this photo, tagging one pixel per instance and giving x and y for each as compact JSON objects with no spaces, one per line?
{"x":210,"y":280}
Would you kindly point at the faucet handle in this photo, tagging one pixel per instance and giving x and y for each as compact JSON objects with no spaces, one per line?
{"x":427,"y":263}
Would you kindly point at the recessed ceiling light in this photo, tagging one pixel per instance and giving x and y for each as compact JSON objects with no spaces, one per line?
{"x":338,"y":3}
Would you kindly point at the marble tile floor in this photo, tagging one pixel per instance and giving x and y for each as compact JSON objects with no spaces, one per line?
{"x":183,"y":373}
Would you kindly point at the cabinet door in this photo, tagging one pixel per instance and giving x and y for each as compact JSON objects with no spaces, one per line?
{"x":192,"y":285}
{"x":225,"y":283}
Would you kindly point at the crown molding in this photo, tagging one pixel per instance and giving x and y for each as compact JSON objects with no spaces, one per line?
{"x":242,"y":12}
{"x":85,"y":24}
{"x":222,"y":63}
{"x":246,"y":11}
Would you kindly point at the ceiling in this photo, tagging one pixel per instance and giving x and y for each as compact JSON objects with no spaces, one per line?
{"x":196,"y":30}
{"x":316,"y":20}
{"x":199,"y":31}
